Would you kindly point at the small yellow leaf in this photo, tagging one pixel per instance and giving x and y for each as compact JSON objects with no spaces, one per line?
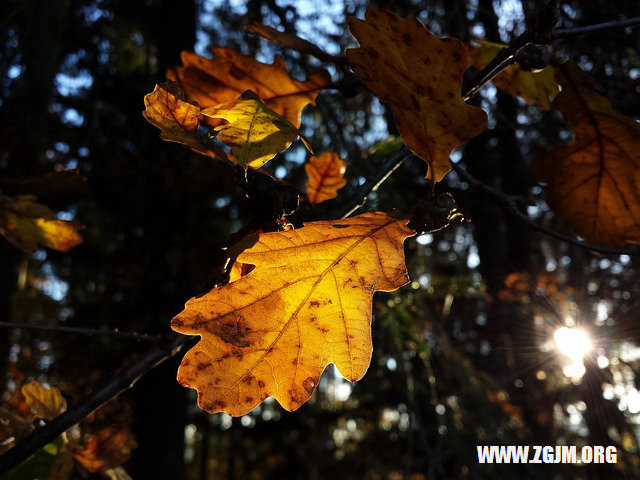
{"x":307,"y":303}
{"x":420,"y":77}
{"x":594,"y":181}
{"x":46,"y":403}
{"x":326,"y":176}
{"x":178,"y":120}
{"x":254,"y":132}
{"x":222,"y":79}
{"x":28,"y":224}
{"x":535,"y":87}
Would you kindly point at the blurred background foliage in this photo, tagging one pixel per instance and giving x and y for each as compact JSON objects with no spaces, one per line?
{"x":467,"y":354}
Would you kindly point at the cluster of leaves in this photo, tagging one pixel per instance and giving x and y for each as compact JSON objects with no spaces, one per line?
{"x":299,"y":299}
{"x":28,"y":224}
{"x":103,"y":452}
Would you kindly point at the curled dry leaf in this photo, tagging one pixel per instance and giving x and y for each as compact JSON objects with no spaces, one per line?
{"x":307,"y":303}
{"x":594,"y":181}
{"x":106,"y":449}
{"x":222,"y":79}
{"x":419,"y":77}
{"x":254,"y":132}
{"x":27,"y":224}
{"x":45,"y":402}
{"x":535,"y":87}
{"x":291,"y":41}
{"x":326,"y":177}
{"x":178,"y":119}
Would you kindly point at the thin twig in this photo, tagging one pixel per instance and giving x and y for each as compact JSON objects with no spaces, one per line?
{"x":118,"y":383}
{"x":82,"y":331}
{"x":510,"y":205}
{"x":371,"y":185}
{"x":572,"y":32}
{"x":504,"y":58}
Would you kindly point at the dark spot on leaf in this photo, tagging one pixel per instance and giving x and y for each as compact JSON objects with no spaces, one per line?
{"x":309,"y":384}
{"x":234,"y":333}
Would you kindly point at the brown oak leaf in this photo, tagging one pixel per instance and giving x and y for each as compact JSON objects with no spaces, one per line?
{"x":594,"y":181}
{"x":419,"y":77}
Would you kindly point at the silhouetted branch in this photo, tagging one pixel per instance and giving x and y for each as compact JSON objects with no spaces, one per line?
{"x":82,"y":331}
{"x":572,"y":32}
{"x":510,"y":205}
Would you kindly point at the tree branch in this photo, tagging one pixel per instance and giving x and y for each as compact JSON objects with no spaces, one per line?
{"x":510,"y":206}
{"x":120,"y":382}
{"x":82,"y":331}
{"x":504,"y":58}
{"x":572,"y":32}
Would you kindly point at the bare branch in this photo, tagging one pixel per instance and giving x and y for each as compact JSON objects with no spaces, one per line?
{"x":510,"y":205}
{"x":572,"y":32}
{"x":83,"y":331}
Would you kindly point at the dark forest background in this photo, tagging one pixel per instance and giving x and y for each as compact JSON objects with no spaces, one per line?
{"x":460,"y":354}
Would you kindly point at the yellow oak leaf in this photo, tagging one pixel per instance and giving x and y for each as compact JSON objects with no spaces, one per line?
{"x":178,"y":119}
{"x":27,"y":224}
{"x":307,"y":303}
{"x":254,"y":132}
{"x":326,"y":176}
{"x":534,"y":87}
{"x":46,"y":403}
{"x":594,"y":181}
{"x":419,"y":77}
{"x":222,"y":79}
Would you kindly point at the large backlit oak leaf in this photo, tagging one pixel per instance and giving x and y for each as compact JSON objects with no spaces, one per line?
{"x":178,"y":119}
{"x":306,"y":304}
{"x":326,"y":177}
{"x":595,"y":181}
{"x":28,"y":224}
{"x":419,"y":77}
{"x":223,"y":78}
{"x":254,"y":132}
{"x":534,"y":87}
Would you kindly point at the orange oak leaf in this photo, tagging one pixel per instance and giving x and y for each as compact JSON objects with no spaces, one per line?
{"x":106,"y":449}
{"x":594,"y":181}
{"x":534,"y":87}
{"x":419,"y":77}
{"x":307,"y":303}
{"x":46,"y":403}
{"x":28,"y":224}
{"x":178,"y":119}
{"x":222,"y":79}
{"x":326,"y":177}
